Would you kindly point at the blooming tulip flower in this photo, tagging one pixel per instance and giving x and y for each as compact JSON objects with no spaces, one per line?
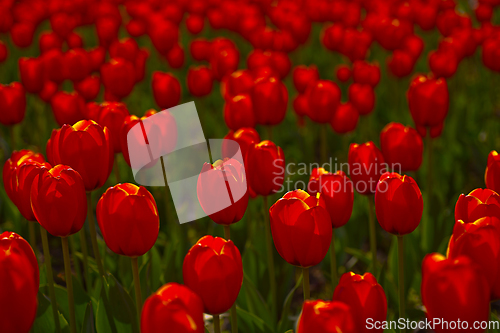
{"x":238,"y":112}
{"x":213,"y":269}
{"x":402,"y":147}
{"x":20,"y":280}
{"x":326,"y":317}
{"x":174,"y":306}
{"x":265,"y":167}
{"x":365,"y":297}
{"x":16,"y":159}
{"x":476,"y":205}
{"x":492,"y":173}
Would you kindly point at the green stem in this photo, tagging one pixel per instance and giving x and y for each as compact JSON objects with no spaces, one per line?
{"x":373,"y":235}
{"x":72,"y":248}
{"x":50,"y":277}
{"x":323,"y":143}
{"x":333,"y":261}
{"x":401,"y":278}
{"x":93,"y":235}
{"x":137,"y":287}
{"x":234,"y":318}
{"x":85,"y":253}
{"x":270,"y":258}
{"x":428,"y":188}
{"x":69,"y":284}
{"x":216,"y":323}
{"x":270,"y":133}
{"x":12,"y":138}
{"x":305,"y":283}
{"x":32,"y":235}
{"x":227,"y":232}
{"x":116,"y":170}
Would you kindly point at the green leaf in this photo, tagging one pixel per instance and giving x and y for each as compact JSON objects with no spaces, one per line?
{"x":256,"y":302}
{"x":249,"y":318}
{"x":360,"y":255}
{"x":284,"y":322}
{"x":44,"y":321}
{"x":115,"y":310}
{"x":88,"y":319}
{"x":81,"y":301}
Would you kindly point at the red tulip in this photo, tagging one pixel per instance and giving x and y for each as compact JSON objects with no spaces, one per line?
{"x":303,"y":75}
{"x":452,"y":290}
{"x":128,"y":219}
{"x":265,"y":167}
{"x":222,"y":191}
{"x":428,"y":101}
{"x":477,"y":204}
{"x":164,"y":35}
{"x":365,"y":73}
{"x":22,"y":34}
{"x":238,"y":112}
{"x":301,"y":106}
{"x":68,"y":108}
{"x":20,"y":280}
{"x":118,"y":77}
{"x":224,"y":61}
{"x":443,"y":63}
{"x":48,"y":91}
{"x":54,"y":64}
{"x":337,"y":195}
{"x":314,"y":186}
{"x":492,"y":173}
{"x":9,"y":168}
{"x":136,"y":28}
{"x":362,"y":97}
{"x":270,"y":99}
{"x":96,"y":58}
{"x":484,"y":12}
{"x":58,"y":200}
{"x":200,"y":49}
{"x":77,"y":64}
{"x":199,"y":81}
{"x":89,"y":87}
{"x":401,"y":63}
{"x":366,"y":165}
{"x":345,"y":118}
{"x":402,"y":147}
{"x":174,"y":306}
{"x":74,"y":40}
{"x":343,"y":73}
{"x":175,"y":57}
{"x":326,"y":317}
{"x":87,"y":148}
{"x":140,"y":64}
{"x":323,"y":99}
{"x":107,"y":28}
{"x":194,"y":24}
{"x":112,"y":115}
{"x":32,"y":74}
{"x":13,"y":99}
{"x":62,"y":24}
{"x":398,"y":204}
{"x":126,"y":48}
{"x":238,"y":83}
{"x":166,"y":90}
{"x":414,"y":46}
{"x":245,"y":137}
{"x":365,"y":297}
{"x":213,"y":269}
{"x":491,"y":50}
{"x":48,"y":41}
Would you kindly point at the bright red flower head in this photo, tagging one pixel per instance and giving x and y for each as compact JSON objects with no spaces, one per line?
{"x":402,"y":147}
{"x":323,"y":97}
{"x":303,"y":75}
{"x":314,"y":186}
{"x":112,"y":115}
{"x":9,"y":168}
{"x":238,"y":83}
{"x":118,"y":77}
{"x":200,"y":81}
{"x":270,"y":100}
{"x":343,"y":73}
{"x":345,"y":118}
{"x":128,"y":219}
{"x":337,"y":195}
{"x":362,"y":97}
{"x":365,"y":73}
{"x":31,"y":72}
{"x":166,"y":90}
{"x":89,"y":87}
{"x":492,"y":173}
{"x":326,"y":317}
{"x":213,"y":269}
{"x":12,"y":103}
{"x":477,"y":204}
{"x":265,"y":167}
{"x":245,"y":137}
{"x":366,"y":165}
{"x":238,"y":112}
{"x":68,"y":108}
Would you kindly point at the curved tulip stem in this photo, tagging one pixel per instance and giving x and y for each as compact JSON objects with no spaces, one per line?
{"x":270,"y":259}
{"x":234,"y":318}
{"x":93,"y":235}
{"x":426,"y":234}
{"x":50,"y":277}
{"x":137,"y":287}
{"x":373,"y":235}
{"x":69,"y":284}
{"x":216,"y":323}
{"x":32,"y":235}
{"x":333,"y":261}
{"x":83,"y":247}
{"x":305,"y":283}
{"x":401,"y":278}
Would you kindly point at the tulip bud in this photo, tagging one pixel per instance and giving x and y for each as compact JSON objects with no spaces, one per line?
{"x":9,"y":168}
{"x":491,"y":49}
{"x":314,"y":186}
{"x":362,"y":97}
{"x":112,"y":115}
{"x":337,"y":195}
{"x":238,"y":83}
{"x":265,"y":167}
{"x":199,"y":81}
{"x":213,"y":269}
{"x":200,"y":49}
{"x":323,"y":98}
{"x":401,"y":63}
{"x":118,"y":77}
{"x":12,"y":103}
{"x":245,"y":137}
{"x":402,"y":147}
{"x":76,"y":64}
{"x":166,"y":90}
{"x":194,"y":24}
{"x":126,"y":48}
{"x":270,"y":99}
{"x":366,"y":165}
{"x":238,"y":112}
{"x":68,"y":108}
{"x":22,"y":34}
{"x":365,"y":73}
{"x":48,"y":41}
{"x":345,"y":118}
{"x":32,"y":74}
{"x":343,"y":73}
{"x":175,"y":57}
{"x":303,"y":75}
{"x":492,"y":173}
{"x":128,"y":219}
{"x":89,"y":87}
{"x":326,"y":317}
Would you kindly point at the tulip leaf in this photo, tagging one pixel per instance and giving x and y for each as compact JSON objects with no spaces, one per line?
{"x":44,"y":321}
{"x":284,"y":321}
{"x":256,"y":302}
{"x":88,"y":319}
{"x":81,"y":301}
{"x":115,"y":310}
{"x":358,"y":254}
{"x":249,"y":318}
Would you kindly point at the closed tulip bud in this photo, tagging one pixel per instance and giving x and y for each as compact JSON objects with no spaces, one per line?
{"x":126,"y":48}
{"x":362,"y":97}
{"x":281,"y":62}
{"x":22,"y":34}
{"x":32,"y":74}
{"x":175,"y":57}
{"x":238,"y":83}
{"x":9,"y":168}
{"x":140,"y":64}
{"x":270,"y":100}
{"x":398,"y":204}
{"x":491,"y":50}
{"x":301,"y":106}
{"x":323,"y":98}
{"x":301,"y":229}
{"x":303,"y":75}
{"x":174,"y":306}
{"x":54,"y":64}
{"x":49,"y":90}
{"x":238,"y":112}
{"x":97,"y":57}
{"x":413,"y":45}
{"x":68,"y":108}
{"x":476,"y":205}
{"x":49,"y":41}
{"x":326,"y":317}
{"x":58,"y":200}
{"x":164,"y":35}
{"x":492,"y":173}
{"x":245,"y":137}
{"x":128,"y":219}
{"x":107,"y":28}
{"x":136,"y":28}
{"x":314,"y":185}
{"x":214,"y":182}
{"x":265,"y":167}
{"x":401,"y":63}
{"x":428,"y":101}
{"x":194,"y":23}
{"x":454,"y":289}
{"x":87,"y":148}
{"x":76,"y":64}
{"x":62,"y":24}
{"x":345,"y":118}
{"x":365,"y":297}
{"x":337,"y":196}
{"x":74,"y":40}
{"x":199,"y":81}
{"x":20,"y":280}
{"x":166,"y":90}
{"x":343,"y":73}
{"x":259,"y":58}
{"x":366,"y":165}
{"x":118,"y":77}
{"x":22,"y":180}
{"x":213,"y":269}
{"x":484,"y":12}
{"x":112,"y":115}
{"x":443,"y":63}
{"x":200,"y":49}
{"x":402,"y":147}
{"x":365,"y":73}
{"x":89,"y":87}
{"x":12,"y":103}
{"x":224,"y":62}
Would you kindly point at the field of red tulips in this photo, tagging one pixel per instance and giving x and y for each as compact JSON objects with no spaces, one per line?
{"x":336,"y":173}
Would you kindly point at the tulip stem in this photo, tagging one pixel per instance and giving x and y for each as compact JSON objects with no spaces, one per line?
{"x":333,"y":261}
{"x":216,"y":323}
{"x":72,"y":248}
{"x":117,"y":170}
{"x":323,"y":143}
{"x":305,"y":283}
{"x":12,"y":138}
{"x":373,"y":235}
{"x":83,"y":247}
{"x":137,"y":286}
{"x":32,"y":235}
{"x":269,"y":132}
{"x":426,"y":222}
{"x":234,"y":318}
{"x":401,"y":278}
{"x":50,"y":277}
{"x":270,"y":259}
{"x":93,"y":235}
{"x":69,"y":284}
